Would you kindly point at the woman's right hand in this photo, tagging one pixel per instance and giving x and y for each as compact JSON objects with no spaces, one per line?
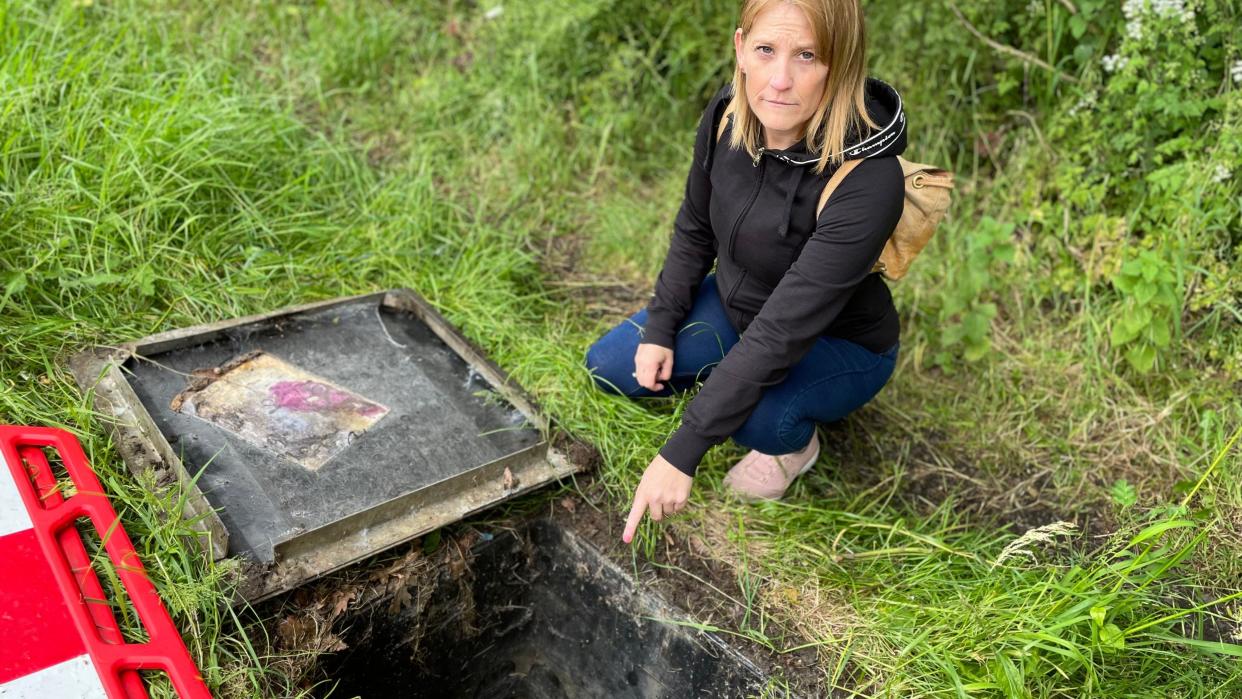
{"x":652,"y":364}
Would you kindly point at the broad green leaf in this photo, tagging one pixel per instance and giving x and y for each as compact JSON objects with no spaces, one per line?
{"x":1144,"y":292}
{"x":1112,"y":637}
{"x":1120,"y":335}
{"x":1160,"y":334}
{"x":1157,"y":529}
{"x":1133,"y":323}
{"x":1141,"y":357}
{"x":1077,"y":25}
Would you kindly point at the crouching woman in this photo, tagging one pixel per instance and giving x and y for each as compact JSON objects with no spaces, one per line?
{"x":792,"y":327}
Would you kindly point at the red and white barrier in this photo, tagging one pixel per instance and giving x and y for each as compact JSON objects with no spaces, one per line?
{"x":41,"y":654}
{"x":58,"y":636}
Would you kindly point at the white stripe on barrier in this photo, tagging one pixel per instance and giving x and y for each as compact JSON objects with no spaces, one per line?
{"x":73,"y":679}
{"x":13,"y":515}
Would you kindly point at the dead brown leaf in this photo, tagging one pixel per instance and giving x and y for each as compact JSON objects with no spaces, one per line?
{"x":340,"y":600}
{"x":400,"y":599}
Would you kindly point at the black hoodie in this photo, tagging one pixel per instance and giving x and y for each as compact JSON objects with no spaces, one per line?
{"x":784,"y":278}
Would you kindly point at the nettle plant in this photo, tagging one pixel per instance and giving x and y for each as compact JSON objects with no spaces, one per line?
{"x":1153,"y":140}
{"x":1148,"y":310}
{"x":966,"y":313}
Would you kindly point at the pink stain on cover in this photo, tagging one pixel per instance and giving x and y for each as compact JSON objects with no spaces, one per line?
{"x":313,"y":396}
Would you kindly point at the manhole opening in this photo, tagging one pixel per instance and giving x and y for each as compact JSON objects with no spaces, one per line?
{"x":537,"y":613}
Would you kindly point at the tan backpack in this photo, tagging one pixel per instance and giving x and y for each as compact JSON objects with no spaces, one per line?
{"x":927,"y":200}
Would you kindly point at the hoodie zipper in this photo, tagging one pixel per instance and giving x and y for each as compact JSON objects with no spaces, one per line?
{"x":749,"y":203}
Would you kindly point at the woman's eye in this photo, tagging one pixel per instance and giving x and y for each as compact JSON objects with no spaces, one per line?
{"x":807,"y":55}
{"x":763,"y":49}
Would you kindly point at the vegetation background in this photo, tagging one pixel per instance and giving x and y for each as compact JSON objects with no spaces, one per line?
{"x":1044,"y":502}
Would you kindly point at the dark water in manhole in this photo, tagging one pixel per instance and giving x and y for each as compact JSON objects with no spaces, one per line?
{"x":541,"y":615}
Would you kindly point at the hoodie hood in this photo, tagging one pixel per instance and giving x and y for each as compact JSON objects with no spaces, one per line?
{"x":883,"y":105}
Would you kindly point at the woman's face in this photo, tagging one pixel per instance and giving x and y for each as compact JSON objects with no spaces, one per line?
{"x":784,"y":78}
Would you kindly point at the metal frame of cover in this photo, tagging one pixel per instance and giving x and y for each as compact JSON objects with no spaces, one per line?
{"x":338,"y":544}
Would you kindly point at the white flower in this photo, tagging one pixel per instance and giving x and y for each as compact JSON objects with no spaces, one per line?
{"x":1113,"y":63}
{"x":1221,"y":173}
{"x":1235,"y":72}
{"x":1168,"y":9}
{"x":1087,"y":101}
{"x":1136,"y":10}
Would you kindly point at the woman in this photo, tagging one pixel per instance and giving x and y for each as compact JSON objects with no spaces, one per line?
{"x":792,"y":328}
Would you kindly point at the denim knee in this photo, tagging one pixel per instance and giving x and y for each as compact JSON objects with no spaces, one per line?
{"x":767,"y":434}
{"x":603,"y":373}
{"x":760,"y":436}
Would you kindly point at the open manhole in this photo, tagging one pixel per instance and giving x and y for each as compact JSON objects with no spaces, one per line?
{"x":540,"y":614}
{"x":313,"y":437}
{"x":308,"y":439}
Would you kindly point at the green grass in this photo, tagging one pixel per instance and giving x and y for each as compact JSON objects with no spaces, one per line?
{"x":164,"y":164}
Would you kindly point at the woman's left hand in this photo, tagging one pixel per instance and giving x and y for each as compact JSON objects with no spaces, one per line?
{"x":663,"y":489}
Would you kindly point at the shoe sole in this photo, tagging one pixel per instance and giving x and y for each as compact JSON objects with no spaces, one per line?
{"x":809,"y":462}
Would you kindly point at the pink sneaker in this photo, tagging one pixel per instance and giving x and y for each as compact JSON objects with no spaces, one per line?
{"x":760,"y":476}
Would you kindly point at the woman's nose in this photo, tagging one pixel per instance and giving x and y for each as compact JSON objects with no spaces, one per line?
{"x":781,"y":79}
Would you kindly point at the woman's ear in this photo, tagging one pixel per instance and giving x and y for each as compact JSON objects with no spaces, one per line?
{"x":737,"y":47}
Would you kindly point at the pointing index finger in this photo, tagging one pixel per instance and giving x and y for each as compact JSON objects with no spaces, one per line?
{"x":636,"y":516}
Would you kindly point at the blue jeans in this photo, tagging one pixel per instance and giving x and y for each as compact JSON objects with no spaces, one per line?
{"x":835,"y":377}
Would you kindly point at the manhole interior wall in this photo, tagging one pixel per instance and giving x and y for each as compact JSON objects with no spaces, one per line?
{"x":326,"y":433}
{"x":537,"y":613}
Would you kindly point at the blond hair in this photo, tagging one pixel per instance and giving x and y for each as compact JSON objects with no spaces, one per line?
{"x":840,"y":43}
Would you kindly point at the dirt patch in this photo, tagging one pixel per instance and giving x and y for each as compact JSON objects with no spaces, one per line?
{"x":596,"y":296}
{"x":580,"y":453}
{"x":863,"y":448}
{"x":690,"y":571}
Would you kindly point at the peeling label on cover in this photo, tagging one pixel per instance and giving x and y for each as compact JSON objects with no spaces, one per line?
{"x":278,"y":407}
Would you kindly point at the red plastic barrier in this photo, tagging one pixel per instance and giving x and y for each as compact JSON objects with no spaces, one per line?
{"x":39,"y":641}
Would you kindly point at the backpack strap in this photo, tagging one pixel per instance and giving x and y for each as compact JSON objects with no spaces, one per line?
{"x":846,"y":168}
{"x":892,"y":262}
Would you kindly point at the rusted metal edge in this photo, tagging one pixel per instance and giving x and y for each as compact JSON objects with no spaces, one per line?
{"x":141,"y":444}
{"x":199,"y":334}
{"x":409,"y":300}
{"x":451,"y":487}
{"x":313,"y":554}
